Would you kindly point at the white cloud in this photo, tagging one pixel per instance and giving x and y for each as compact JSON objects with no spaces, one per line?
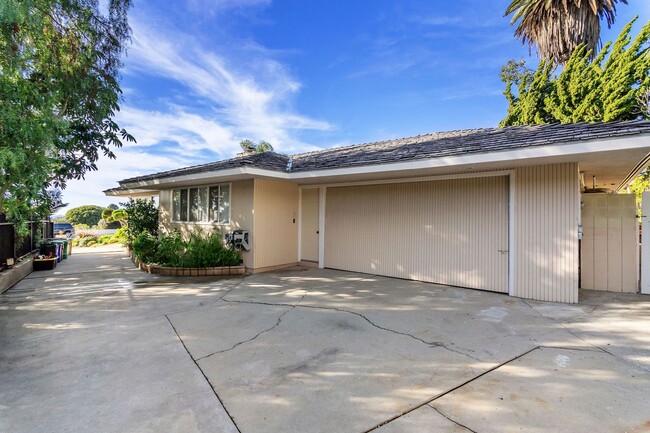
{"x":254,"y":103}
{"x":214,"y":6}
{"x":130,"y":162}
{"x":190,"y":131}
{"x":249,"y":100}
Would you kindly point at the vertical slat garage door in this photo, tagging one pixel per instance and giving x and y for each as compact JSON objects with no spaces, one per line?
{"x":452,"y":232}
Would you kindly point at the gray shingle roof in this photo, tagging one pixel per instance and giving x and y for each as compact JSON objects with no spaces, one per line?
{"x":266,"y":160}
{"x":454,"y":143}
{"x":436,"y":145}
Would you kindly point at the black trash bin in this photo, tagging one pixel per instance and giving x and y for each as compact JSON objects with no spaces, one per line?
{"x":48,"y":248}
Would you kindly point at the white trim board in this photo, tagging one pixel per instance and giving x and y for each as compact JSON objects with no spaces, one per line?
{"x":321,"y":227}
{"x":473,"y":174}
{"x":512,"y":221}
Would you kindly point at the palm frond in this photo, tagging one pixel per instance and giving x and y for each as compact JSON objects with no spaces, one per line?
{"x":557,"y":27}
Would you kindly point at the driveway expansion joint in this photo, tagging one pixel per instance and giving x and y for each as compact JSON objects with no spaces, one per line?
{"x":452,"y":420}
{"x":214,"y":391}
{"x":449,"y":391}
{"x":562,"y":326}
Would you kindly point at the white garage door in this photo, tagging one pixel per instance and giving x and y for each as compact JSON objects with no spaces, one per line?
{"x":452,"y":232}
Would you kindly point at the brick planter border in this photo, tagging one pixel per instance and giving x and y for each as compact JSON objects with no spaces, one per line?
{"x":189,"y":272}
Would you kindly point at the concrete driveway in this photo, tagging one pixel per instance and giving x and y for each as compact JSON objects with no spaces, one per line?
{"x":98,"y":346}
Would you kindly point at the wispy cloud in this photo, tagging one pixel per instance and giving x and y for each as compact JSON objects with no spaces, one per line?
{"x":214,"y":6}
{"x":129,"y":162}
{"x":435,"y":20}
{"x":216,"y":98}
{"x":190,"y":132}
{"x":253,"y":103}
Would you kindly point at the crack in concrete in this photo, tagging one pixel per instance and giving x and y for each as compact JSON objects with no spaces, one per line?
{"x":452,"y":420}
{"x":204,"y":375}
{"x":277,"y":323}
{"x":431,"y":344}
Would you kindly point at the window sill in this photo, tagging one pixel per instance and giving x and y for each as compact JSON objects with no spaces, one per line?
{"x":200,"y":223}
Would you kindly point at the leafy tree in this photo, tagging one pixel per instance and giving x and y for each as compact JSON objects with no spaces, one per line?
{"x":248,"y":146}
{"x":614,"y":86}
{"x":141,"y":217}
{"x":119,"y":215}
{"x":88,"y":215}
{"x":558,"y":27}
{"x":59,"y":63}
{"x":112,"y":219}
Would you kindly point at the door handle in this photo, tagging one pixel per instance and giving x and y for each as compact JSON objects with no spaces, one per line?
{"x":503,"y":251}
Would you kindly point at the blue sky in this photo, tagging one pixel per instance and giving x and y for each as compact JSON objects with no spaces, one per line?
{"x":201,"y":75}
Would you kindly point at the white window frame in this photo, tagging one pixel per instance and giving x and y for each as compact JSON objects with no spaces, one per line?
{"x":189,"y":204}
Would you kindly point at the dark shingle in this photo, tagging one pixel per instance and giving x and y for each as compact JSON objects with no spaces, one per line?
{"x":454,"y":143}
{"x":436,"y":145}
{"x":266,"y":160}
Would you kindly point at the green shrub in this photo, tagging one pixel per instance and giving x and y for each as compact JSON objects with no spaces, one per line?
{"x":86,"y":239}
{"x":145,"y":247}
{"x":206,"y":251}
{"x":91,"y":242}
{"x":141,"y":216}
{"x":171,"y":249}
{"x":198,"y":251}
{"x":120,"y":236}
{"x":105,"y":239}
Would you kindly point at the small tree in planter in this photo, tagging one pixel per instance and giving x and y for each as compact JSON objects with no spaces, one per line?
{"x":141,"y":217}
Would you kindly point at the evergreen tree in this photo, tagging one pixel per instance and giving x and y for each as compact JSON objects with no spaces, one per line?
{"x":614,"y":86}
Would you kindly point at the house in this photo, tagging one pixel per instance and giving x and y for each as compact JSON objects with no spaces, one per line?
{"x":490,"y":209}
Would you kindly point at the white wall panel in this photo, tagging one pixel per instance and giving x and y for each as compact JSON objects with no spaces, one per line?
{"x":609,"y":251}
{"x":547,"y":207}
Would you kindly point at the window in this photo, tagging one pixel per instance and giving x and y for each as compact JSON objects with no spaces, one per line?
{"x":202,"y":204}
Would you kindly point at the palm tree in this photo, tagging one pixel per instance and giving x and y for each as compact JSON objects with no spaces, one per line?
{"x":264,"y":146}
{"x":557,"y":27}
{"x":248,"y":146}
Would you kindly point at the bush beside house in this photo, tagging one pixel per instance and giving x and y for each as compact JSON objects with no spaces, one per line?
{"x":198,"y":251}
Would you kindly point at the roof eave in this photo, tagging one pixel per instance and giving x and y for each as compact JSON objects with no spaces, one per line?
{"x":532,"y":155}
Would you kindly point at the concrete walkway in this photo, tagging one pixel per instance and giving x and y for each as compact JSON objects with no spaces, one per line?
{"x":99,"y":346}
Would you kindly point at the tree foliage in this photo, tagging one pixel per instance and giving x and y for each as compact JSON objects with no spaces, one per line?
{"x":59,"y":64}
{"x":558,"y":27}
{"x":248,"y":146}
{"x":613,"y":86}
{"x":113,"y":218}
{"x":141,"y":217}
{"x":88,"y":215}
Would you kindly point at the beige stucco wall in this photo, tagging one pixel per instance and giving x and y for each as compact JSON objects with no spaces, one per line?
{"x":546,"y":218}
{"x":241,"y":215}
{"x":547,"y":207}
{"x":275,"y":242}
{"x":451,"y":232}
